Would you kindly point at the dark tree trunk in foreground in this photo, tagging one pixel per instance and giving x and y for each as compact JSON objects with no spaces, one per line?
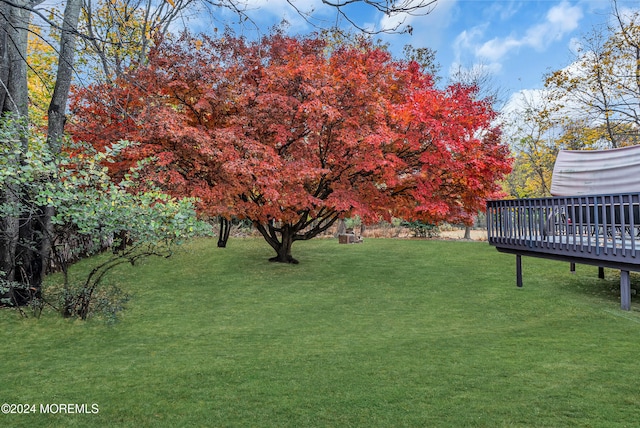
{"x":223,"y":236}
{"x":57,"y":118}
{"x":17,"y":246}
{"x":281,"y":238}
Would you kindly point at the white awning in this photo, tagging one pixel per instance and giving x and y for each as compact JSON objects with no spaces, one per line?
{"x":596,"y":172}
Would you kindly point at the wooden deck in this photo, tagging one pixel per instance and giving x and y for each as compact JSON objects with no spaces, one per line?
{"x":600,"y":230}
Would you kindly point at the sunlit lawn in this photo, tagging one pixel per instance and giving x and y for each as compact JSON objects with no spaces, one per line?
{"x":387,"y":333}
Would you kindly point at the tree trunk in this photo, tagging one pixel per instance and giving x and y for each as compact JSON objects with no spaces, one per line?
{"x":26,"y":244}
{"x":223,"y":234}
{"x":282,"y":245}
{"x":467,"y":232}
{"x":14,"y":105}
{"x":5,"y":11}
{"x":282,"y":238}
{"x":9,"y":240}
{"x":283,"y":250}
{"x":57,"y":118}
{"x":13,"y":53}
{"x":64,"y":75}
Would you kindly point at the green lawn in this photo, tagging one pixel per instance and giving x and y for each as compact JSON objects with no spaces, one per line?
{"x":388,"y":333}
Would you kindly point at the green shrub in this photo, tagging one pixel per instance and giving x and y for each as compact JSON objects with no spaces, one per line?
{"x":422,"y":230}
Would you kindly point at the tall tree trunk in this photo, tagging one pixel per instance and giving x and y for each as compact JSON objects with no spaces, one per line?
{"x":13,"y":53}
{"x":57,"y":119}
{"x":5,"y":12}
{"x":223,"y":235}
{"x":64,"y":75}
{"x":14,"y":104}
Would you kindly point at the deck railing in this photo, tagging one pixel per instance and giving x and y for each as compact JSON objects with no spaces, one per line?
{"x":599,"y":227}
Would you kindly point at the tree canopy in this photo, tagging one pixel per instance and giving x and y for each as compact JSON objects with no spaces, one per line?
{"x":293,"y":134}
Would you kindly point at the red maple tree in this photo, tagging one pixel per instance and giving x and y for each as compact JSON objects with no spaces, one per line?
{"x":294,"y":133}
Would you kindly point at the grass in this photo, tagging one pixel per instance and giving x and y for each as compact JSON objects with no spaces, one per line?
{"x":387,"y":333}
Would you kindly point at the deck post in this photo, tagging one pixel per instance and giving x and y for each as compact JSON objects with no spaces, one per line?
{"x":600,"y":272}
{"x":572,"y":267}
{"x":519,"y":270}
{"x":625,"y":291}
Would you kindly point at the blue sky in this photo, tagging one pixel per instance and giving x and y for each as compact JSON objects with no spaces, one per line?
{"x":517,"y":42}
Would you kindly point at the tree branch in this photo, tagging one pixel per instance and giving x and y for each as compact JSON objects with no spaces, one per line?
{"x":387,"y":7}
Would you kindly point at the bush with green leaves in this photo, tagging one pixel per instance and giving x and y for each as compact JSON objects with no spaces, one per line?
{"x":131,"y":218}
{"x":422,"y":230}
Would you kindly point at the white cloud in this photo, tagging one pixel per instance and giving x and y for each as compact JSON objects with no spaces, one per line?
{"x":523,"y":100}
{"x":559,"y":21}
{"x":508,"y":10}
{"x":497,"y":48}
{"x":466,"y":40}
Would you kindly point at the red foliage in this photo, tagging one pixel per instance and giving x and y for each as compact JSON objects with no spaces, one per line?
{"x":293,"y":131}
